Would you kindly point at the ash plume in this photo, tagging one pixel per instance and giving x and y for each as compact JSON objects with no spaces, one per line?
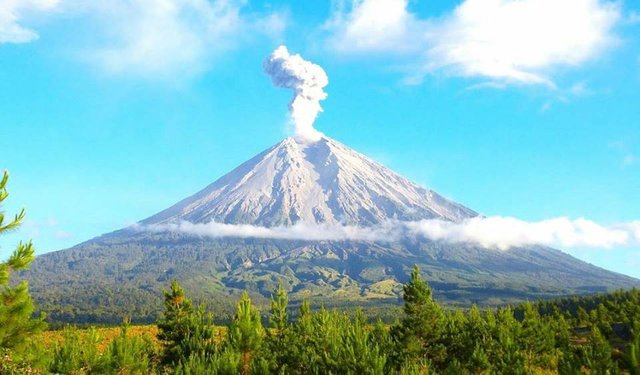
{"x":307,"y":81}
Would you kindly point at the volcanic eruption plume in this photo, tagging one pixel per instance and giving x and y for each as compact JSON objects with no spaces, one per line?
{"x":307,"y":81}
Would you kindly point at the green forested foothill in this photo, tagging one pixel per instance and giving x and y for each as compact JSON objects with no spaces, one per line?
{"x":566,"y":336}
{"x":124,"y":272}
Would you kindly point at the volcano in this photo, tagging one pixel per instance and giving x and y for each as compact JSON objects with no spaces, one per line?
{"x":314,"y":183}
{"x":322,"y":182}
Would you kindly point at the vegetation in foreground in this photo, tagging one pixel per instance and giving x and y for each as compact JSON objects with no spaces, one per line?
{"x":594,"y":335}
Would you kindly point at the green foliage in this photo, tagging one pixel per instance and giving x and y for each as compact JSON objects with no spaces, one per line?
{"x":225,"y":362}
{"x":10,"y":365}
{"x":278,"y":335}
{"x":634,"y":350}
{"x":78,"y":352}
{"x":420,"y":332}
{"x":184,"y":330}
{"x":128,"y":355}
{"x":597,"y":354}
{"x":16,"y":306}
{"x":525,"y":339}
{"x":246,"y":332}
{"x":123,"y":273}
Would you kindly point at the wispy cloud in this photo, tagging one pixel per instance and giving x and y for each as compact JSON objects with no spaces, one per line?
{"x":629,"y":160}
{"x":300,"y":231}
{"x":489,"y":232}
{"x":514,"y":41}
{"x":62,"y":235}
{"x":625,"y":150}
{"x":172,"y":38}
{"x":506,"y":232}
{"x":36,"y":229}
{"x":152,"y":38}
{"x":364,"y":26}
{"x":12,"y":13}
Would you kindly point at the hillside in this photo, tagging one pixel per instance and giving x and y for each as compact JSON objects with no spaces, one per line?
{"x":123,"y":273}
{"x":321,"y":183}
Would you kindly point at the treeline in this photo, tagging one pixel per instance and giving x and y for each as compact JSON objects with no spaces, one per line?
{"x":427,"y":339}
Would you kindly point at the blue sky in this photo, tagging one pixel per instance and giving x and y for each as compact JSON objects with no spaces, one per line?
{"x":527,"y":109}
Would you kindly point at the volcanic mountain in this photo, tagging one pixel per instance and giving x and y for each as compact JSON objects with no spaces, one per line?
{"x":320,"y":182}
{"x":314,"y":183}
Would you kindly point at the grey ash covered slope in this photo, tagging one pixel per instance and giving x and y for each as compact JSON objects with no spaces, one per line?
{"x":320,"y":182}
{"x":122,"y":273}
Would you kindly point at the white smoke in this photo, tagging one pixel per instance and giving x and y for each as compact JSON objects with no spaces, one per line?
{"x":307,"y":81}
{"x":495,"y":232}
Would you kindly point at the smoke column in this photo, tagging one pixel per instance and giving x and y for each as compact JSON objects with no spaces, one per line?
{"x":307,"y":81}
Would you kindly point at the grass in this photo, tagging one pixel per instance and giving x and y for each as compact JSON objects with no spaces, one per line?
{"x":53,"y":338}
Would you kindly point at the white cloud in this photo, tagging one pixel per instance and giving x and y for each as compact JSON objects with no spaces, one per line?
{"x":515,"y":41}
{"x":520,"y":41}
{"x":629,"y":160}
{"x":172,"y":38}
{"x":490,"y":232}
{"x":506,"y":232}
{"x":62,"y":235}
{"x":626,"y":152}
{"x":580,"y":89}
{"x":11,"y":16}
{"x":372,"y":26}
{"x":300,"y":231}
{"x":634,"y":228}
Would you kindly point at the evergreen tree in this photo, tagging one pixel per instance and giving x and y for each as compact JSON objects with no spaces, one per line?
{"x":16,"y":306}
{"x":277,"y":336}
{"x":510,"y":358}
{"x":477,"y":339}
{"x":279,"y":318}
{"x":583,"y":317}
{"x":183,"y":330}
{"x":128,"y":355}
{"x":634,"y":350}
{"x":537,"y":340}
{"x":597,"y":355}
{"x":420,"y":331}
{"x":77,"y":353}
{"x":358,"y":352}
{"x":246,"y":332}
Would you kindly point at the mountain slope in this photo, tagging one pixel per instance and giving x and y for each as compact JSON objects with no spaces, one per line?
{"x":122,"y":273}
{"x":320,"y":182}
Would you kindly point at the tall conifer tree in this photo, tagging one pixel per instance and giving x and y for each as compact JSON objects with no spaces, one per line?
{"x":16,"y":306}
{"x":246,"y":332}
{"x":421,"y":331}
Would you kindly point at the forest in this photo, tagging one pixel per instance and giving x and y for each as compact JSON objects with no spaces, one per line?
{"x":590,"y":334}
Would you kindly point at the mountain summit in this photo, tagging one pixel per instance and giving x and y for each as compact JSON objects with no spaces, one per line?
{"x":322,"y":182}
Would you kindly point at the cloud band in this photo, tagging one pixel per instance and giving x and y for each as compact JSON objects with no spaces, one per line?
{"x":490,"y":232}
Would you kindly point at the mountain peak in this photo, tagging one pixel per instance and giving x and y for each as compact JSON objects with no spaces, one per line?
{"x":320,"y":182}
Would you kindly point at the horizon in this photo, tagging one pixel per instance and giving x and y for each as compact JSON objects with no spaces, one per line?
{"x":97,"y":136}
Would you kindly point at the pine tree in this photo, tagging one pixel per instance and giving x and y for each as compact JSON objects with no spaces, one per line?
{"x":279,"y":318}
{"x":634,"y":350}
{"x":537,"y":340}
{"x":16,"y":306}
{"x":583,"y":317}
{"x":597,"y":355}
{"x":420,"y":331}
{"x":183,"y":330}
{"x":246,"y":332}
{"x":128,"y":355}
{"x":278,"y":335}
